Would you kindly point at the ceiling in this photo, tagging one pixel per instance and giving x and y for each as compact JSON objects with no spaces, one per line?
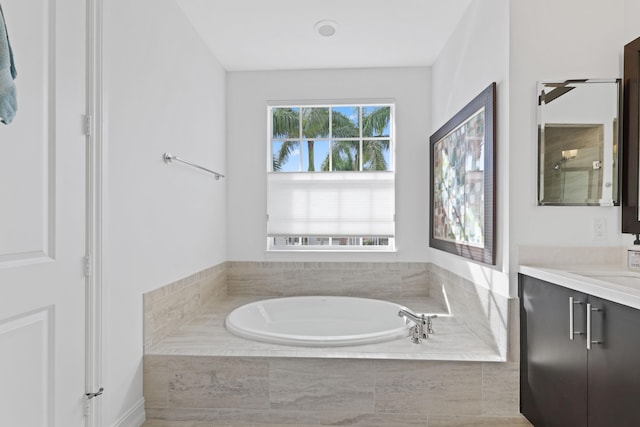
{"x":280,"y":35}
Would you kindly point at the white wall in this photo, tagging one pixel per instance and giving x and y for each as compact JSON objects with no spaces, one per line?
{"x":248,"y":93}
{"x":164,"y":92}
{"x":476,"y":55}
{"x":631,"y":21}
{"x":556,"y":40}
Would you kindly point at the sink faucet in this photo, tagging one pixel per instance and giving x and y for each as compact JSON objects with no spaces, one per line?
{"x":423,"y":324}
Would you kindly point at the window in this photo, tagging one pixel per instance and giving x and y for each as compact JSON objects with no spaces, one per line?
{"x":330,"y":177}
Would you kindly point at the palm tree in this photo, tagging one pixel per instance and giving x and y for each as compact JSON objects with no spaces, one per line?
{"x":286,"y":122}
{"x":346,"y":155}
{"x":315,"y":125}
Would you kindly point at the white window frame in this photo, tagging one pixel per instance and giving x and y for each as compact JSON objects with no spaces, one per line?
{"x":391,"y":247}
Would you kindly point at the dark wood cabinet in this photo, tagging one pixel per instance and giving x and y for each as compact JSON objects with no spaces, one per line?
{"x":614,"y":365}
{"x":564,"y":384}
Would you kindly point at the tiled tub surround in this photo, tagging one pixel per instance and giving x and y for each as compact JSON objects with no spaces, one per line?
{"x":169,"y":307}
{"x":221,"y":391}
{"x":200,"y":375}
{"x":484,"y":312}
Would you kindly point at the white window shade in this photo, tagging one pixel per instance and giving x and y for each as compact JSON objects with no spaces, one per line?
{"x":332,"y":204}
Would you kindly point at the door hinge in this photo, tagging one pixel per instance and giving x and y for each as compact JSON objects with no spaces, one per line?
{"x":87,"y":400}
{"x":88,"y":266}
{"x":88,"y":125}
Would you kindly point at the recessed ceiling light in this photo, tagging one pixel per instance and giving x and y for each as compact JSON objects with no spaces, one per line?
{"x":325,"y":28}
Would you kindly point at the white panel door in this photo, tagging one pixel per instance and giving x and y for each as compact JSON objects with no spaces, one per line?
{"x":42,"y":219}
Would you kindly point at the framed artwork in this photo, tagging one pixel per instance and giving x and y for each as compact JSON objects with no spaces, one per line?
{"x":462,"y":195}
{"x":630,"y":183}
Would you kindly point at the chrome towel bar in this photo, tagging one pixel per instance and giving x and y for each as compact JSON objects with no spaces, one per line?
{"x":168,"y":158}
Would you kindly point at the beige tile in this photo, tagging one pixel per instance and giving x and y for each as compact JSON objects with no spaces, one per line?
{"x":513,"y":354}
{"x":312,"y":281}
{"x":483,"y":311}
{"x":322,"y":384}
{"x":517,"y":421}
{"x":155,"y":381}
{"x":324,"y":417}
{"x":166,"y":416}
{"x":421,"y":387}
{"x":171,"y":306}
{"x":371,"y":283}
{"x":414,"y":281}
{"x":500,"y":389}
{"x":255,"y":280}
{"x":218,"y":382}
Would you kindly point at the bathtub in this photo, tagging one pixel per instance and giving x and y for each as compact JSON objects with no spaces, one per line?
{"x":320,"y":321}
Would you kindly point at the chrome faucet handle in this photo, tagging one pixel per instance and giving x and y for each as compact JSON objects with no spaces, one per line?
{"x":423,"y":324}
{"x":417,"y":333}
{"x":430,"y":325}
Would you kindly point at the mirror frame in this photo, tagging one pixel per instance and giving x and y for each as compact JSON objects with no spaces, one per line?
{"x":631,"y":139}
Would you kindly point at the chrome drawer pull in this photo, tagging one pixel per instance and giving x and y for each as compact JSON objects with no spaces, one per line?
{"x":572,"y":333}
{"x":589,"y":341}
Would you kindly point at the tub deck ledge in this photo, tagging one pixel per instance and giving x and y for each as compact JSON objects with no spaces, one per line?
{"x":206,"y":335}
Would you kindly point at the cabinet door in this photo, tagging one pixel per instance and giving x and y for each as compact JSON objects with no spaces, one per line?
{"x":553,"y":368}
{"x":614,"y":365}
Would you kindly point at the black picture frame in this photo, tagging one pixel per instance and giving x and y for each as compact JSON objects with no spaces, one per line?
{"x":463,"y":181}
{"x":630,"y":139}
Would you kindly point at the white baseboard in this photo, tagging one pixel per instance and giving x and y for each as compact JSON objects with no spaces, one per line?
{"x":134,"y":417}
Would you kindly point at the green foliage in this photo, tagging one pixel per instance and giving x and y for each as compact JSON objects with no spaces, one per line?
{"x":286,"y":123}
{"x":345,"y":155}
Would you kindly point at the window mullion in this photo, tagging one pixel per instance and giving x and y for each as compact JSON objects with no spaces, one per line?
{"x":360,"y":144}
{"x":300,"y":140}
{"x":330,"y":139}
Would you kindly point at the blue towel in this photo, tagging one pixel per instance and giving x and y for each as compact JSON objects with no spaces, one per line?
{"x":8,"y":96}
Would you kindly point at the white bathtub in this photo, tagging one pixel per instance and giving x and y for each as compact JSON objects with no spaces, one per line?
{"x":318,"y":321}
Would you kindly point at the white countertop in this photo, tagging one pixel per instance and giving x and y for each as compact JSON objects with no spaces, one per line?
{"x":612,"y":282}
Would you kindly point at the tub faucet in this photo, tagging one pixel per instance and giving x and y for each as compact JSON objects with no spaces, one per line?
{"x":423,"y":324}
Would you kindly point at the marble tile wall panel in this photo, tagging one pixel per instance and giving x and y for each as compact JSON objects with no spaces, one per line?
{"x":517,"y":421}
{"x":254,"y":418}
{"x":313,"y":280}
{"x":307,"y":391}
{"x":207,"y":382}
{"x":255,"y":278}
{"x":413,"y":279}
{"x":373,"y":280}
{"x":322,"y":385}
{"x":171,"y":306}
{"x":485,"y":312}
{"x":373,"y":283}
{"x":427,"y":387}
{"x":155,"y":384}
{"x":513,"y":354}
{"x":317,"y":418}
{"x":379,"y":421}
{"x":500,"y":389}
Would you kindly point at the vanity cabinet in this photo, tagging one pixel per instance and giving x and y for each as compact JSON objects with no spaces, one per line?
{"x":562,"y":382}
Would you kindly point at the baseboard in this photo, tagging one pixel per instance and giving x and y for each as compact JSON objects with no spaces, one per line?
{"x":134,"y":417}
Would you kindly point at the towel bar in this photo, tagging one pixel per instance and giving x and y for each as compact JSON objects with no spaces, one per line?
{"x":168,"y":158}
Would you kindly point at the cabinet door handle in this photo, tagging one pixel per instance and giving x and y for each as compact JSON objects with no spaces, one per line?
{"x":589,"y":310}
{"x":572,"y":303}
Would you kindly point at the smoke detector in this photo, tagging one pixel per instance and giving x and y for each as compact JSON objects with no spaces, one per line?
{"x":325,"y":28}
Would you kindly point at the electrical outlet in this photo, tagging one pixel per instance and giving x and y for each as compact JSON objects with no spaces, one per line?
{"x":599,"y":229}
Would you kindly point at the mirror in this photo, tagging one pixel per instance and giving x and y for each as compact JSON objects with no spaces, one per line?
{"x":631,"y":139}
{"x":578,"y":128}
